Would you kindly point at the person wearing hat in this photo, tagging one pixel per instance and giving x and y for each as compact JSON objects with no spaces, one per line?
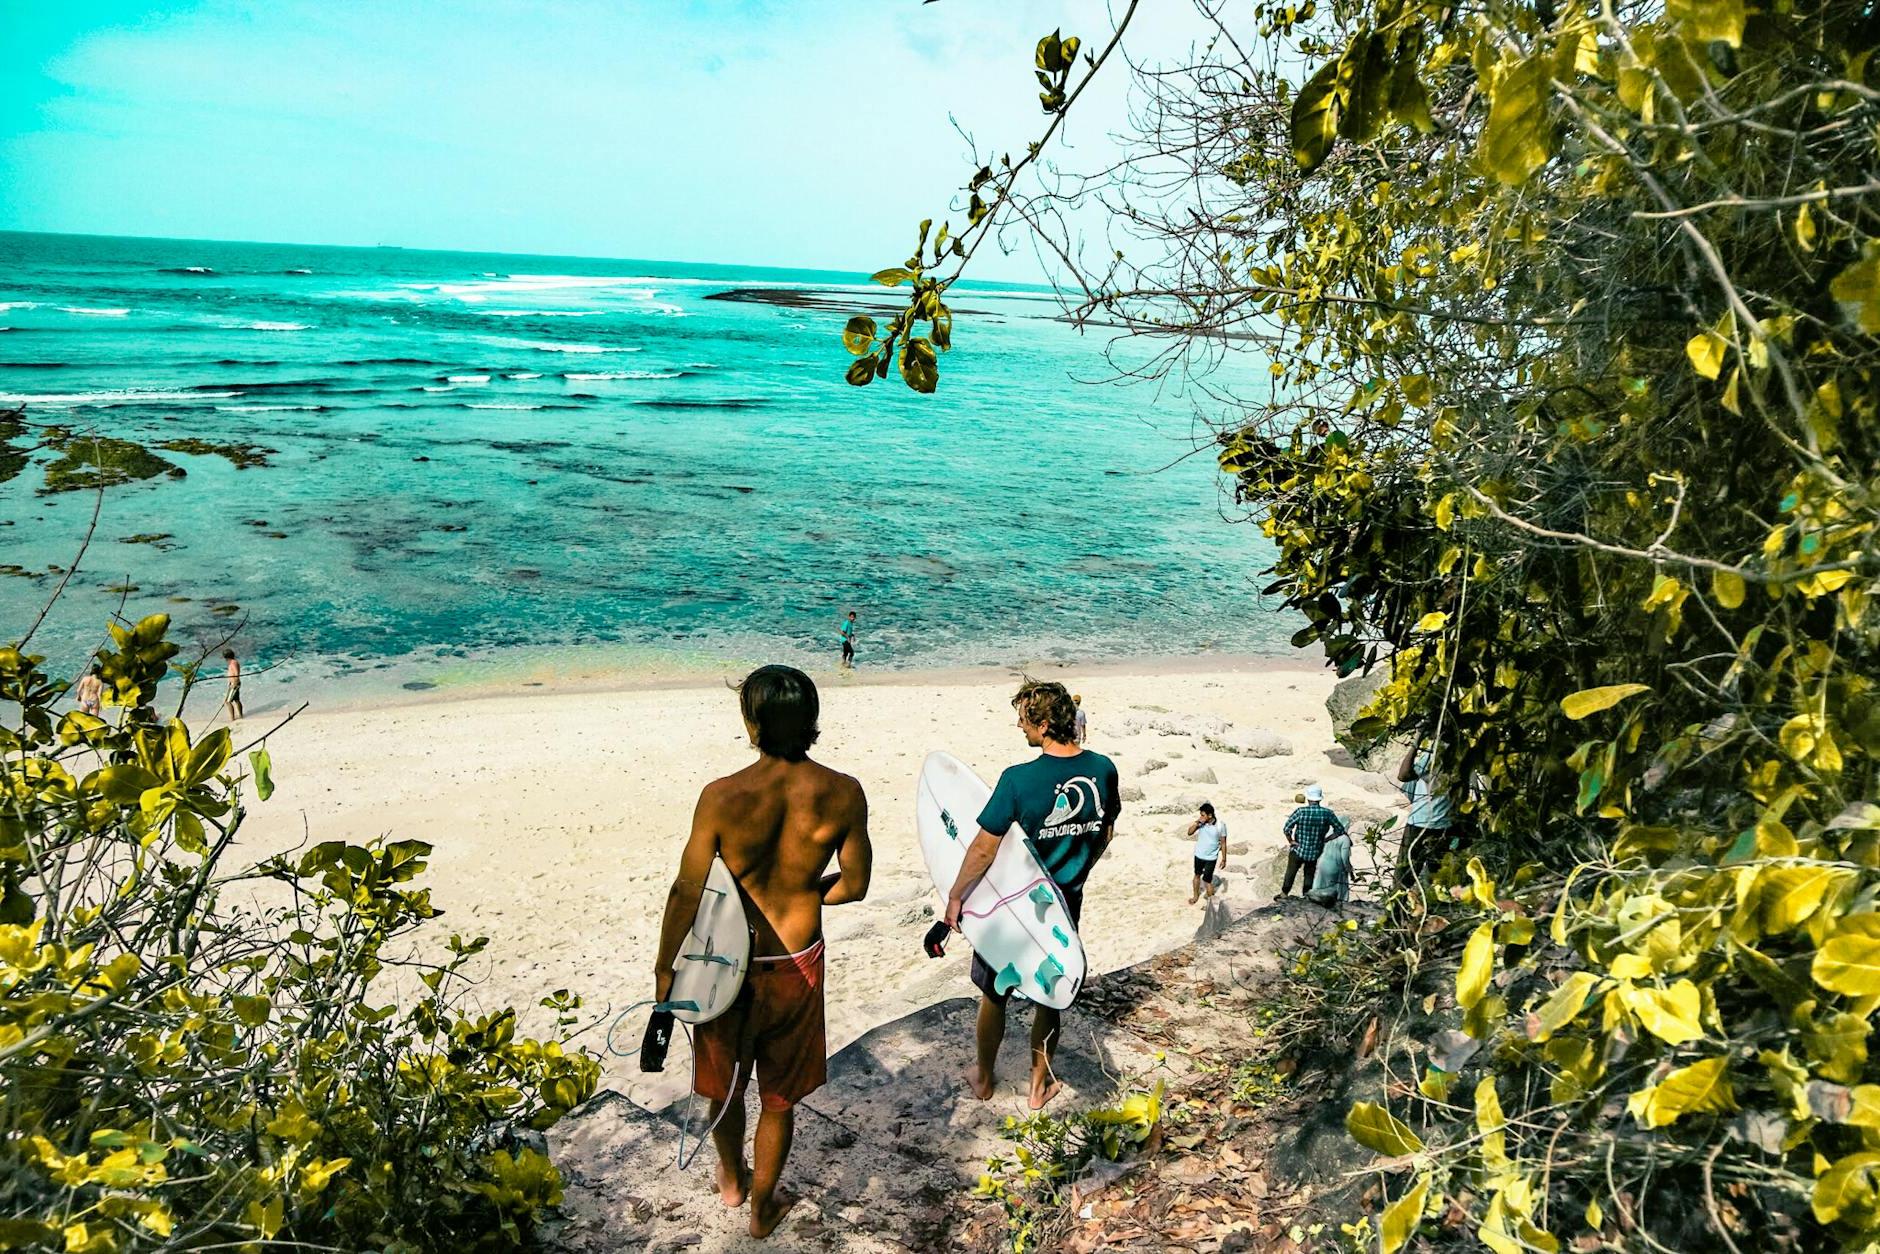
{"x":1306,"y":830}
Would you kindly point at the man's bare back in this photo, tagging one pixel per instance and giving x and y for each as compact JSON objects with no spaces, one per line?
{"x":777,"y":824}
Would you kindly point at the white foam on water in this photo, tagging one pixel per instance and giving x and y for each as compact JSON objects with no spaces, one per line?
{"x":524,"y":374}
{"x":275,"y":326}
{"x":541,"y":313}
{"x":114,"y":396}
{"x":624,"y":374}
{"x":466,"y":378}
{"x":442,"y":389}
{"x":493,"y":405}
{"x":94,"y":313}
{"x":18,"y":304}
{"x":267,"y":409}
{"x":553,"y":346}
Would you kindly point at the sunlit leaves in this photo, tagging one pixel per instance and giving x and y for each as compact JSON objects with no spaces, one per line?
{"x":1375,"y":1128}
{"x":1590,"y":701}
{"x":1702,"y":1087}
{"x":1518,"y":136}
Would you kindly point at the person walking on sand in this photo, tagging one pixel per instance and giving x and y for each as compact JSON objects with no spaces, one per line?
{"x":1066,"y":800}
{"x":1306,"y":829}
{"x":1426,"y":834}
{"x":848,"y":641}
{"x":1210,"y":850}
{"x":1331,"y":886}
{"x":232,"y":702}
{"x":1083,"y":723}
{"x":90,"y":691}
{"x":776,"y":824}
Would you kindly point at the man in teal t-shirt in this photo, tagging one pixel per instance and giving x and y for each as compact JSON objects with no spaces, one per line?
{"x":1066,"y":800}
{"x":848,"y":641}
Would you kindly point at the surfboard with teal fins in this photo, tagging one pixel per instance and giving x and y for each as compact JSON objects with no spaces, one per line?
{"x":709,"y":970}
{"x":1015,"y":917}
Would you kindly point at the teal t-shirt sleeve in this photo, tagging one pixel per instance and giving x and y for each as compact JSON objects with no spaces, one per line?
{"x":1112,"y":795}
{"x":1002,"y":807}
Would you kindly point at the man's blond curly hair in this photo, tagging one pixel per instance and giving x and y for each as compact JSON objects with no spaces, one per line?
{"x":1049,"y":705}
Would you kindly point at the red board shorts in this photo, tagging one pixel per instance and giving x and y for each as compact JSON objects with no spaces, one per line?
{"x":775,"y":1029}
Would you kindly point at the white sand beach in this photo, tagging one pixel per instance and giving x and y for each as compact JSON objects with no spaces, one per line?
{"x":558,"y":817}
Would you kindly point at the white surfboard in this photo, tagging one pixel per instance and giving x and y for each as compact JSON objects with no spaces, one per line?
{"x":710,"y":968}
{"x":1015,"y":916}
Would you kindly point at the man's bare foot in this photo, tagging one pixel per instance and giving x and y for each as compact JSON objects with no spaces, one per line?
{"x":766,"y":1215}
{"x":1040,"y":1095}
{"x":979,"y":1084}
{"x":1191,"y":900}
{"x":734,"y":1187}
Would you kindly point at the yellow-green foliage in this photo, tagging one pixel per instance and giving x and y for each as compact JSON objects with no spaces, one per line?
{"x":1049,"y":1152}
{"x":1572,"y":318}
{"x":183,"y":1068}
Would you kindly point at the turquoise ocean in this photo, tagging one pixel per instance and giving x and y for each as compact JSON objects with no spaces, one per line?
{"x":487,"y":466}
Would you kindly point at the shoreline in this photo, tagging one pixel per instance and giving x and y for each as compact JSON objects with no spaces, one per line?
{"x":557,"y":817}
{"x":505,"y":678}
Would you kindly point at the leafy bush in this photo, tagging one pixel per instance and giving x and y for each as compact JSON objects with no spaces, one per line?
{"x":1572,"y":317}
{"x":1048,"y":1152}
{"x":194,"y":1057}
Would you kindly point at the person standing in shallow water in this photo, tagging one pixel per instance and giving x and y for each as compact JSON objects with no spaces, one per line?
{"x":232,"y":702}
{"x":776,"y":824}
{"x":1066,"y":800}
{"x":848,"y":641}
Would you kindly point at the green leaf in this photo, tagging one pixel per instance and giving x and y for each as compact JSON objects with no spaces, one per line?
{"x":1563,"y":1007}
{"x":1375,"y":1128}
{"x":1857,"y":286}
{"x":1478,"y":964}
{"x":861,"y":372}
{"x":1727,"y":587}
{"x":1701,"y":1088}
{"x":1849,"y":960}
{"x":263,"y":766}
{"x":1518,"y":136}
{"x":859,"y":335}
{"x":1315,"y":117}
{"x":1670,"y":1014}
{"x":1847,"y":1187}
{"x":893,"y":276}
{"x":919,"y":367}
{"x":1706,"y":350}
{"x":1707,"y":20}
{"x":1592,"y":700}
{"x":1402,"y":1216}
{"x":1366,"y":85}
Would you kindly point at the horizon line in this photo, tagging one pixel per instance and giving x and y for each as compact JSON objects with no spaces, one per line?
{"x":858,"y":275}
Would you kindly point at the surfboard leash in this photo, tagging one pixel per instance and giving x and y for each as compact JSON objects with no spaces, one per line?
{"x":653,"y":1058}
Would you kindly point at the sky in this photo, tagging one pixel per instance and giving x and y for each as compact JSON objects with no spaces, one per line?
{"x":807,"y":133}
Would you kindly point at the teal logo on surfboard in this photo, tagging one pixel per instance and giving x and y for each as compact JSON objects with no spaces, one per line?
{"x":946,"y":821}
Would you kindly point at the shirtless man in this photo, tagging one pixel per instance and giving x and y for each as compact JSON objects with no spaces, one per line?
{"x":232,"y":700}
{"x":776,"y":824}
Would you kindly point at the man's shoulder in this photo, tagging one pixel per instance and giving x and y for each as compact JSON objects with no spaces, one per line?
{"x":1099,"y":761}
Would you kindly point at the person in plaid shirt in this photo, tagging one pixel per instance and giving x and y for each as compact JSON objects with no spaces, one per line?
{"x":1306,"y":830}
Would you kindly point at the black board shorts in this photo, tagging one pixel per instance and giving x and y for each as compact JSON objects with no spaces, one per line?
{"x":986,"y":980}
{"x":1204,"y":869}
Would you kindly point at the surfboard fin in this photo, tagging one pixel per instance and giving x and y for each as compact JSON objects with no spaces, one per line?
{"x":1062,"y":939}
{"x":1042,"y":897}
{"x":1008,"y":979}
{"x":1050,"y":971}
{"x":723,"y":960}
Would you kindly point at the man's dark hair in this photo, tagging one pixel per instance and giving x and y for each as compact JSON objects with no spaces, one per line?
{"x":97,"y":668}
{"x":1049,"y":705}
{"x":781,"y":702}
{"x":851,"y":613}
{"x":229,"y":654}
{"x":1207,"y":808}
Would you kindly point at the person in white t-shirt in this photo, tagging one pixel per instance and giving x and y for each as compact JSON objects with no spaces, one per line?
{"x":1210,"y":850}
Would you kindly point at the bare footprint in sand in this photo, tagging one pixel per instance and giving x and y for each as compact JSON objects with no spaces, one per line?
{"x":764,"y":1219}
